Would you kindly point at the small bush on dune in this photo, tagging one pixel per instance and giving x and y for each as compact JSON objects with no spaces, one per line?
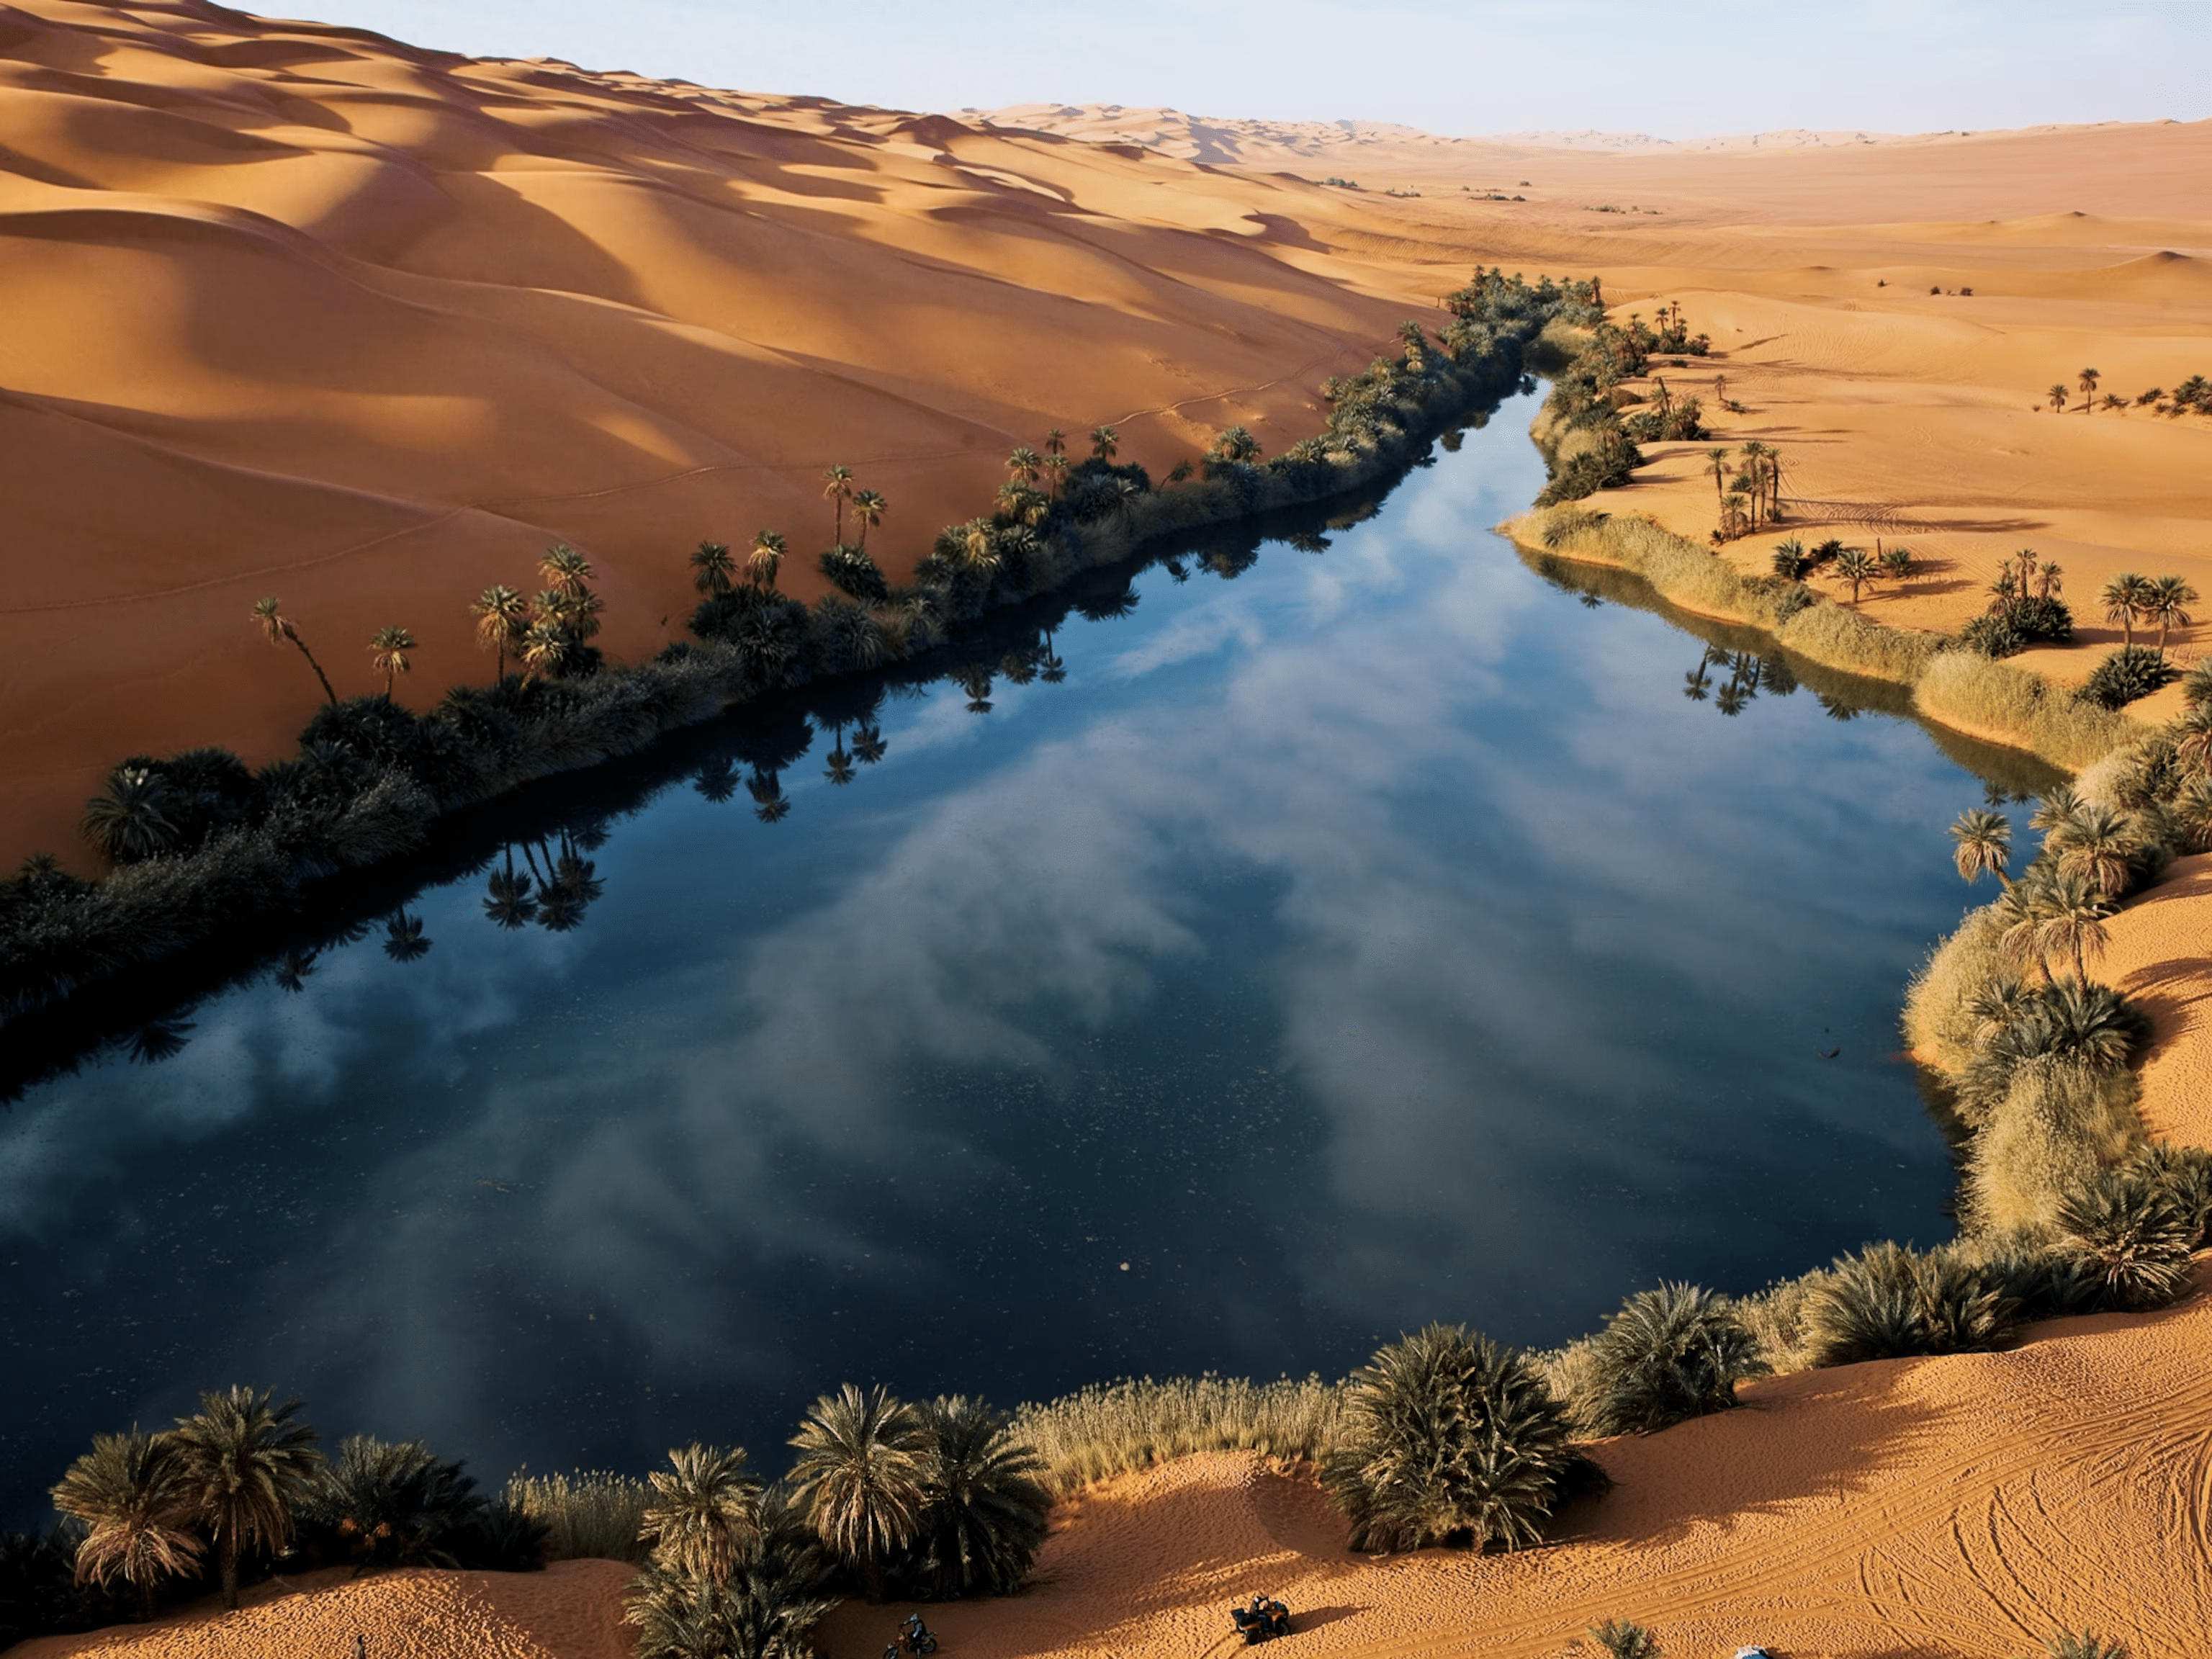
{"x":1623,"y":1640}
{"x":1447,"y":1436}
{"x":1669,"y":1355}
{"x":1888,"y":1303}
{"x":2084,"y":1644}
{"x":2131,"y":671}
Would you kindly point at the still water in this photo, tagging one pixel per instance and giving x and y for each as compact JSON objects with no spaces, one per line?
{"x":1380,"y":935}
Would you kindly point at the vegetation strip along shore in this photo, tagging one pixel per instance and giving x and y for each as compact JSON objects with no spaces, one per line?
{"x":204,"y":850}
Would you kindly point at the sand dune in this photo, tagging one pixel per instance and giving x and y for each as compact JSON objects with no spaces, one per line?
{"x":298,"y":309}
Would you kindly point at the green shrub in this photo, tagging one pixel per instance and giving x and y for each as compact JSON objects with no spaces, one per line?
{"x":2131,"y":671}
{"x":1623,"y":1640}
{"x":2015,"y":624}
{"x":2134,"y":1231}
{"x":2068,"y":1644}
{"x":1669,"y":1355}
{"x":1448,"y":1437}
{"x":1888,"y":1303}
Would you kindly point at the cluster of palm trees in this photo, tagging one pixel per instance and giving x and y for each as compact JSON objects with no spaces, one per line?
{"x":2193,"y":395}
{"x":231,"y":1476}
{"x":2091,"y":855}
{"x":1750,"y":495}
{"x":935,"y":1500}
{"x":548,"y":635}
{"x":2135,"y":601}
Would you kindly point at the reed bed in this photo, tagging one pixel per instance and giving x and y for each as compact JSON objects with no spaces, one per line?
{"x":591,"y":1514}
{"x":1998,"y":701}
{"x":1116,"y":1428}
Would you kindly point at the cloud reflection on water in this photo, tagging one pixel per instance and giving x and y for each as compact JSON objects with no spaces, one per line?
{"x":1521,"y":958}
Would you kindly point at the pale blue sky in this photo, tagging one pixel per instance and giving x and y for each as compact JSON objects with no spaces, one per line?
{"x":1676,"y":69}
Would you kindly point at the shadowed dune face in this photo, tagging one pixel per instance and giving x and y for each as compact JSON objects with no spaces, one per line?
{"x":297,"y":309}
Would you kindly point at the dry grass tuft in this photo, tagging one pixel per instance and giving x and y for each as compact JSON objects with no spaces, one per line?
{"x":1940,"y":1024}
{"x":1115,"y":1428}
{"x":2061,"y":1123}
{"x":591,"y":1514}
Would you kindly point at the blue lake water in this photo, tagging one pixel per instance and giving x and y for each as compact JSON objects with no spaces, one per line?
{"x":1378,"y":936}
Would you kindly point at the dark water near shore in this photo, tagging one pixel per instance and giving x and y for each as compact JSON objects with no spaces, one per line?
{"x":1376,"y":937}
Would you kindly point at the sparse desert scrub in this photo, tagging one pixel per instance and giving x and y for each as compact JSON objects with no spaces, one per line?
{"x":1113,"y":1428}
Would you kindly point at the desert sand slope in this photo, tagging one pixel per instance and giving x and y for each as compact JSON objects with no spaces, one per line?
{"x":296,"y":309}
{"x":1966,"y":1505}
{"x":573,"y":1610}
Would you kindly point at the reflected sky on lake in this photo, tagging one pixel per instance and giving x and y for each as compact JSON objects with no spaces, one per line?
{"x":1376,"y":937}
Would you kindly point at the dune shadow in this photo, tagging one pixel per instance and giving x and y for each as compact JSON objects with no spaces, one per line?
{"x":1866,"y":1430}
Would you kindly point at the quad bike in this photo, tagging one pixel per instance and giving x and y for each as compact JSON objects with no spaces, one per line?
{"x":1262,"y":1621}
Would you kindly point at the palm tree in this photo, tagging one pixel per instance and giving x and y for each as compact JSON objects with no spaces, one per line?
{"x":706,"y":1512}
{"x":868,"y":508}
{"x":388,"y":647}
{"x":1717,"y":458}
{"x":2023,"y":907}
{"x":2194,"y":751}
{"x":507,"y":900}
{"x":712,"y":570}
{"x":129,"y":818}
{"x":2073,"y":922}
{"x":1025,"y":464}
{"x":544,"y":649}
{"x":1984,"y":842}
{"x":837,"y":487}
{"x":129,"y":1492}
{"x":769,"y":548}
{"x":2088,"y":381}
{"x":564,"y":569}
{"x":770,"y":804}
{"x":1755,"y":467}
{"x":2095,"y":847}
{"x":2168,"y":595}
{"x":2124,"y":598}
{"x":293,"y":972}
{"x":1057,"y":466}
{"x":859,"y":1476}
{"x":868,"y":745}
{"x":1105,"y":443}
{"x":2059,"y":396}
{"x":1856,"y":566}
{"x":985,"y":1516}
{"x":278,"y":628}
{"x":1056,"y":441}
{"x":244,"y":1465}
{"x":502,"y":617}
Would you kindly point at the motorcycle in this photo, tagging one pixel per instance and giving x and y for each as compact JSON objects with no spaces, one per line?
{"x":914,"y":1638}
